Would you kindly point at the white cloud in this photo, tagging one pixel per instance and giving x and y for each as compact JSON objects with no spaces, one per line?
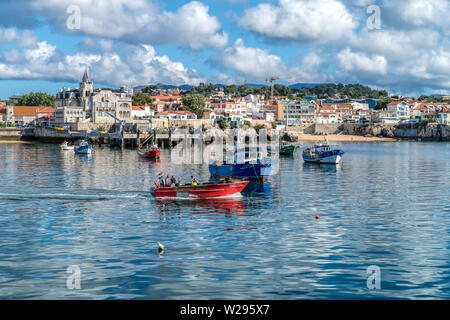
{"x":127,"y":65}
{"x":258,"y":64}
{"x":305,"y":21}
{"x":357,"y":62}
{"x":138,"y":21}
{"x":253,"y":62}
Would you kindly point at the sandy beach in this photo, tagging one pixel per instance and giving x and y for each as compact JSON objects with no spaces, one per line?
{"x":15,"y":141}
{"x":342,"y":138}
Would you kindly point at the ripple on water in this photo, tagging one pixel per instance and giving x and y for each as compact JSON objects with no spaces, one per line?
{"x":385,"y":205}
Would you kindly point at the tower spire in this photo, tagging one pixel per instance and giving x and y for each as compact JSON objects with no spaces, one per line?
{"x":86,"y":76}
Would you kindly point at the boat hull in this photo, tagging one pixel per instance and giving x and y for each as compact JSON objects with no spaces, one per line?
{"x":152,"y":154}
{"x":248,"y":171}
{"x":203,"y":191}
{"x":84,"y":150}
{"x":288,"y":150}
{"x":331,"y":157}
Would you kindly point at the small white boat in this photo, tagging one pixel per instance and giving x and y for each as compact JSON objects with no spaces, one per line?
{"x":66,"y":147}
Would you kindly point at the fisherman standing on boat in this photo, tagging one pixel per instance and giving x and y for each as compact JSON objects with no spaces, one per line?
{"x":194,"y":181}
{"x":173,"y":181}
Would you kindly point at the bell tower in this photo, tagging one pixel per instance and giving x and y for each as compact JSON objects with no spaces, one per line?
{"x":86,"y":89}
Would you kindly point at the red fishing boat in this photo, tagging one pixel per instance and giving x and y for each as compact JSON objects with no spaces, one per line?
{"x":203,"y":190}
{"x":152,"y":152}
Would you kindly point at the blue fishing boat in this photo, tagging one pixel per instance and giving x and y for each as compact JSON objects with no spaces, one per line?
{"x":84,"y":148}
{"x":322,"y":154}
{"x":249,"y":171}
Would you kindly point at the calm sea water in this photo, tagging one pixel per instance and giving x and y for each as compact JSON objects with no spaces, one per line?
{"x":386,"y":205}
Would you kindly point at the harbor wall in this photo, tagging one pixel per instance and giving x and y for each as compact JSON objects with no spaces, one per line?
{"x":11,"y":133}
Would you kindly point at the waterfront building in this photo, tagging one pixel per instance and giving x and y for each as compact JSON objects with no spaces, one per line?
{"x":88,"y":105}
{"x":299,"y":112}
{"x":223,"y":106}
{"x":326,"y":115}
{"x":177,"y":115}
{"x":212,"y":115}
{"x":142,"y":112}
{"x":443,"y":117}
{"x":3,"y":113}
{"x":385,"y":117}
{"x":165,"y":103}
{"x":400,"y":110}
{"x":24,"y":115}
{"x":235,"y":119}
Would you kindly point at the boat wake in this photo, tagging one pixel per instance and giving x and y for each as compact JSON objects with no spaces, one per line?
{"x":76,"y":195}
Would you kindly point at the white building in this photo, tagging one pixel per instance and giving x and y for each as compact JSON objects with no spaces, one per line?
{"x":178,"y":115}
{"x":142,"y":112}
{"x":88,"y":105}
{"x":400,"y":109}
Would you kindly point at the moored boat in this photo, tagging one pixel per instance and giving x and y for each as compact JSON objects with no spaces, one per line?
{"x":65,"y":146}
{"x":322,"y":154}
{"x":204,"y":190}
{"x":248,"y":171}
{"x":287,"y":149}
{"x":84,"y":148}
{"x":152,"y":153}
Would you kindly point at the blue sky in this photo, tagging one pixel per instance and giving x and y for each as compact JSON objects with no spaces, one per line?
{"x":401,"y":46}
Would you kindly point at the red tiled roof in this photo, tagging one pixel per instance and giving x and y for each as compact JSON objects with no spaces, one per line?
{"x":327,"y":108}
{"x":394,"y":103}
{"x":176,"y":112}
{"x":31,"y":110}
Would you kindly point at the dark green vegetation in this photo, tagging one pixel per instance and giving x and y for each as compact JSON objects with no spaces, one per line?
{"x":141,"y":99}
{"x":353,"y":91}
{"x":36,"y":99}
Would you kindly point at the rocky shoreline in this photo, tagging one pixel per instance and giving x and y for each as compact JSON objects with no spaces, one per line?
{"x":372,"y":132}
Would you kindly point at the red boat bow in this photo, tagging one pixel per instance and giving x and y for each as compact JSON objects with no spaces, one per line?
{"x":153,"y":152}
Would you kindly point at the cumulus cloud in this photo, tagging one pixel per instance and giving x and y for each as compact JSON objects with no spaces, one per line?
{"x":137,"y":21}
{"x":357,"y":62}
{"x":258,"y":64}
{"x":417,"y":13}
{"x":254,"y":62}
{"x":304,"y":21}
{"x":126,"y":65}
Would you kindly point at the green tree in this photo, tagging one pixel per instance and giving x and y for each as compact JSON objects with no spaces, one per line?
{"x":221,"y":123}
{"x":382,"y":103}
{"x":141,"y":99}
{"x":149,"y":89}
{"x":194,"y":103}
{"x":36,"y":99}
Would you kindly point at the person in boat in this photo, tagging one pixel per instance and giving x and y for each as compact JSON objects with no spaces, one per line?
{"x":178,"y":182}
{"x":194,"y":181}
{"x":167,"y":181}
{"x":161,"y":181}
{"x":173,"y":181}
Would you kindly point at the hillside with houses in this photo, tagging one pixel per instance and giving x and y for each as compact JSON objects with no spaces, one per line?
{"x":86,"y":108}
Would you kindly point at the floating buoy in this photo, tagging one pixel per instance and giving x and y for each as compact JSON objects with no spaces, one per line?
{"x":160,"y":248}
{"x":317,"y":217}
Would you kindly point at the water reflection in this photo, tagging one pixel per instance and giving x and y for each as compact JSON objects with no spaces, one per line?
{"x":229,"y":207}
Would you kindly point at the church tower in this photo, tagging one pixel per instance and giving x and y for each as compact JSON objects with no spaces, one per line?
{"x":86,"y":88}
